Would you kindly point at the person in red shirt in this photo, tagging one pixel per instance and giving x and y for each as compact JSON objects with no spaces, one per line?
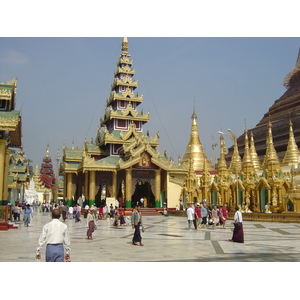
{"x":224,"y":214}
{"x":198,"y":217}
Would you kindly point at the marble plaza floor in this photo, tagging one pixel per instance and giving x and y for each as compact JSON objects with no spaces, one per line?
{"x":166,"y":239}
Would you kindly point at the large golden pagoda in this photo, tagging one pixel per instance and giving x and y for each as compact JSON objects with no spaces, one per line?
{"x":195,"y":149}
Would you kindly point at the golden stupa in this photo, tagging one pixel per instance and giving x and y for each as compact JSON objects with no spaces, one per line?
{"x":195,"y":149}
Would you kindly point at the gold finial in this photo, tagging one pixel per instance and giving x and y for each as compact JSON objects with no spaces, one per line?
{"x":253,"y":153}
{"x":195,"y":148}
{"x":36,"y":169}
{"x":47,"y":151}
{"x":222,"y":166}
{"x":125,"y":44}
{"x":292,"y":153}
{"x":247,"y":157}
{"x":271,"y":157}
{"x":235,"y":163}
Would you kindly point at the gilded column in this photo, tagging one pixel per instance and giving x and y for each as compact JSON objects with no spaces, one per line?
{"x":157,"y":187}
{"x":114,"y":184}
{"x":2,"y":164}
{"x":69,"y":187}
{"x":128,"y":187}
{"x":92,"y":191}
{"x":65,"y":187}
{"x":86,"y":185}
{"x":6,"y":171}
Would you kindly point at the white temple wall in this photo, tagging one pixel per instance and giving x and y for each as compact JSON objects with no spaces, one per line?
{"x":173,"y":196}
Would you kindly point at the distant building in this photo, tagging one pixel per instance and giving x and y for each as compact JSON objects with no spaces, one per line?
{"x":10,"y":135}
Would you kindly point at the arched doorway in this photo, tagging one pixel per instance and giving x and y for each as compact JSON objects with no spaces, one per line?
{"x":263,"y":199}
{"x":143,"y":190}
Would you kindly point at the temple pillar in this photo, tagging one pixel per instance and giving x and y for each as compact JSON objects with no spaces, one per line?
{"x":2,"y":169}
{"x":128,"y":187}
{"x":157,"y":180}
{"x":86,"y":185}
{"x":92,"y":190}
{"x":6,"y":172}
{"x":258,"y":199}
{"x":65,"y":187}
{"x":69,"y":188}
{"x":114,"y":184}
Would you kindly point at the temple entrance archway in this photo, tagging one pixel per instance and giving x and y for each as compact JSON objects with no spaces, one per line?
{"x":143,"y":190}
{"x":263,"y":199}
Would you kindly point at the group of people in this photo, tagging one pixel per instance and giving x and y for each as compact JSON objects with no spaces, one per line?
{"x":203,"y":216}
{"x":55,"y":233}
{"x":27,"y":211}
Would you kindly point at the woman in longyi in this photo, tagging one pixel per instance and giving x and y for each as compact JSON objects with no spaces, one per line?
{"x":238,"y":232}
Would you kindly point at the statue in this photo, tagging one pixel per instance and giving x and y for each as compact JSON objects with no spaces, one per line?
{"x":274,"y":199}
{"x":247,"y":210}
{"x":267,"y":209}
{"x":123,"y":189}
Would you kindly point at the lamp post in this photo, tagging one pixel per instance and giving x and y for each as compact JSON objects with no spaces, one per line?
{"x":58,"y":157}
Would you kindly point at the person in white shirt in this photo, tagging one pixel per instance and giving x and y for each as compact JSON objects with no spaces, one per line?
{"x":71,"y":212}
{"x":191,"y":216}
{"x":56,"y":235}
{"x":238,"y":232}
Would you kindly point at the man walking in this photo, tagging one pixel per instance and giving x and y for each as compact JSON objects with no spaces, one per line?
{"x":136,"y":222}
{"x":56,"y":235}
{"x":190,"y":216}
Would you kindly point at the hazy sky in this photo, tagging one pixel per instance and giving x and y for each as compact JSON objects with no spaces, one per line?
{"x":63,"y":84}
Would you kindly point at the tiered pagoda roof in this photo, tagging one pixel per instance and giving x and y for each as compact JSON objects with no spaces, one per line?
{"x":46,"y":171}
{"x":120,"y":139}
{"x":18,"y":168}
{"x":10,"y":119}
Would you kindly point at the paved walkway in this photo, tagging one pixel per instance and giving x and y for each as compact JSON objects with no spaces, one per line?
{"x":166,"y":239}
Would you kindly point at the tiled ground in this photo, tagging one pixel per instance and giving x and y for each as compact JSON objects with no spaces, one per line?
{"x":166,"y":239}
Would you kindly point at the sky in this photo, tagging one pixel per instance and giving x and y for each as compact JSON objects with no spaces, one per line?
{"x":63,"y":84}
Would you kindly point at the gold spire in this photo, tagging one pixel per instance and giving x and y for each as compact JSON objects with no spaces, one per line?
{"x":292,"y":153}
{"x":270,"y":151}
{"x":246,"y":157}
{"x":195,"y":148}
{"x":271,"y":161}
{"x":47,"y":151}
{"x":125,"y":44}
{"x":253,"y":154}
{"x":236,"y":162}
{"x":248,"y":167}
{"x":36,"y":172}
{"x":222,"y":166}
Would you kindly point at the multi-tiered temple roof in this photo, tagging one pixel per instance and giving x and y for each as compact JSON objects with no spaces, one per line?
{"x":46,"y":171}
{"x":120,"y":138}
